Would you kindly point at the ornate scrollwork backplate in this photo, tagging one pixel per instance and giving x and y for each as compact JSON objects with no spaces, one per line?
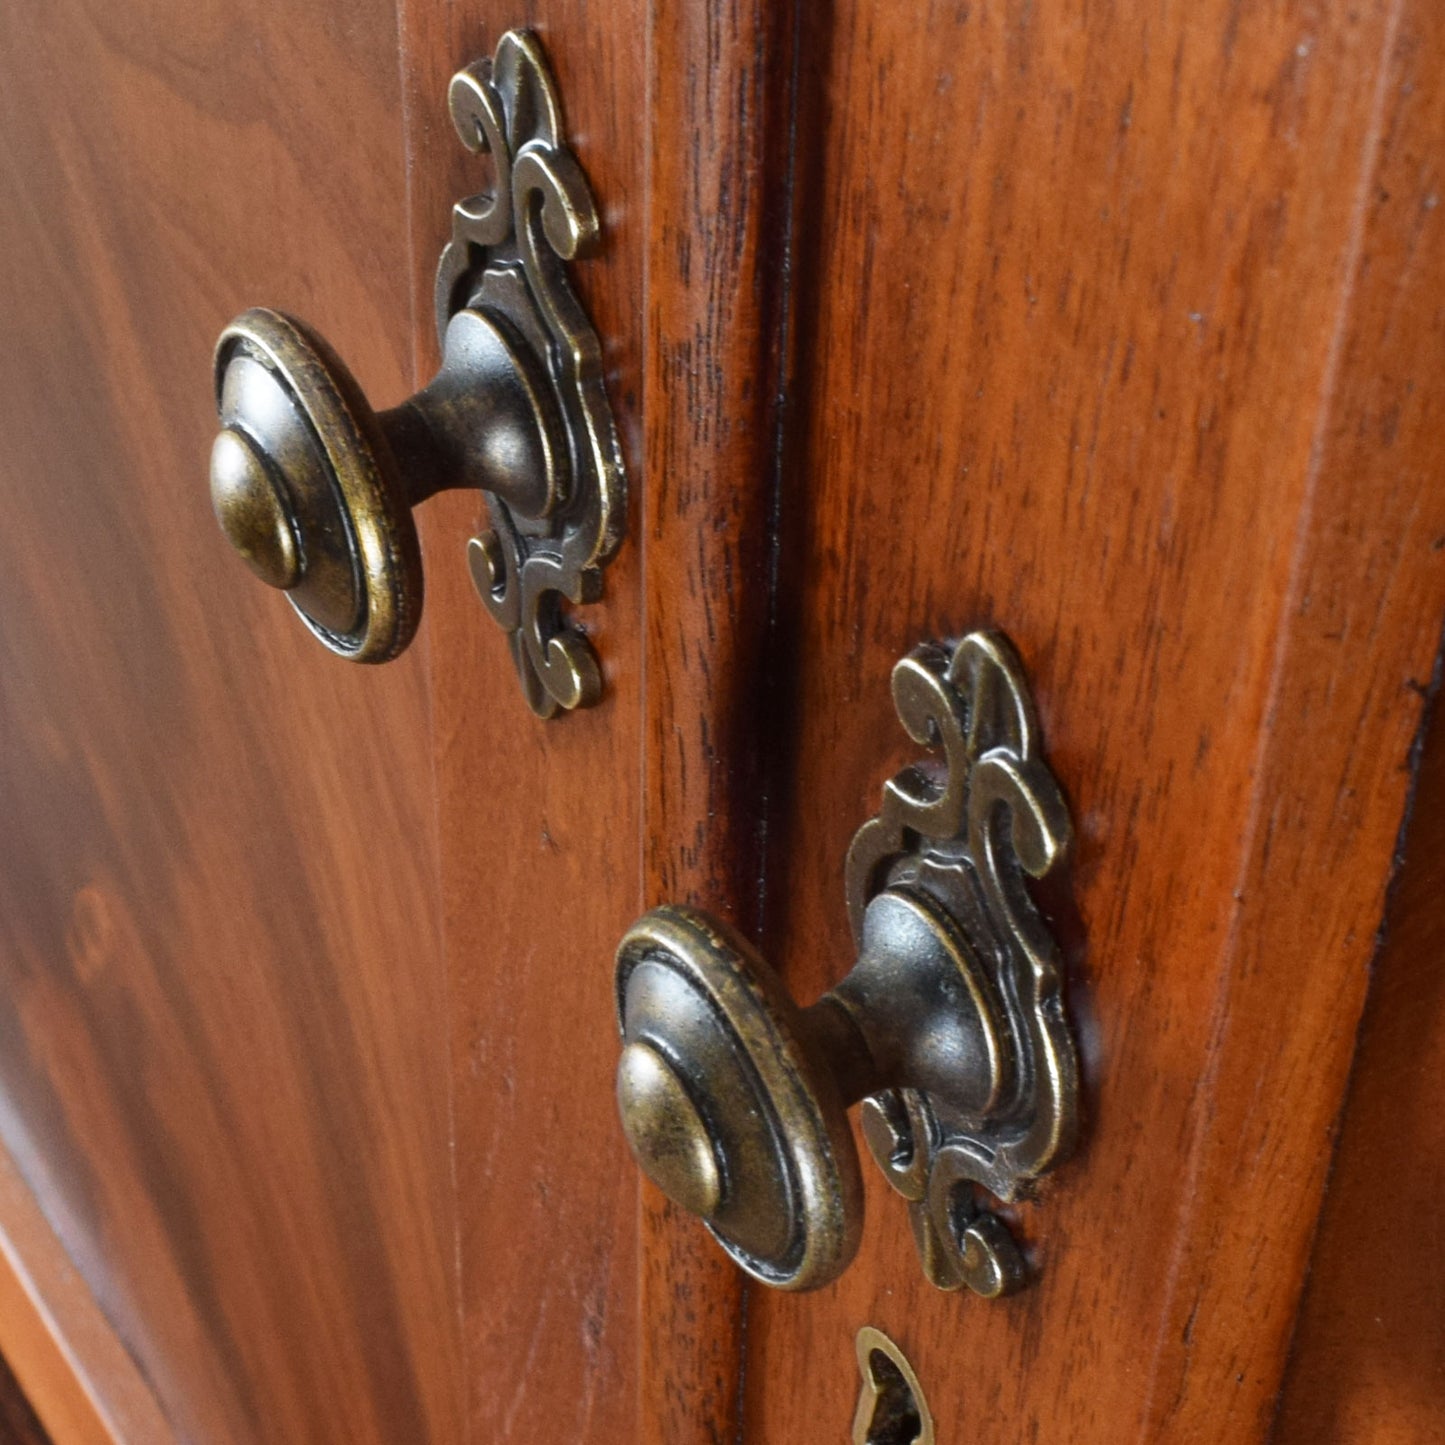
{"x":507,"y":259}
{"x":965,"y":835}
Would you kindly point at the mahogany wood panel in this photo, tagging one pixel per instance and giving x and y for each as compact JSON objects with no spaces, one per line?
{"x":1368,"y":1360}
{"x":539,"y":821}
{"x":719,"y":237}
{"x":222,"y":1038}
{"x":61,"y":1355}
{"x":19,"y":1425}
{"x":555,"y":836}
{"x":1109,"y":336}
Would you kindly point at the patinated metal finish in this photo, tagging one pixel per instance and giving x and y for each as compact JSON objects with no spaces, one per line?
{"x":314,"y":489}
{"x":507,"y":257}
{"x":950,"y":1026}
{"x":717,"y":1027}
{"x":891,"y":1408}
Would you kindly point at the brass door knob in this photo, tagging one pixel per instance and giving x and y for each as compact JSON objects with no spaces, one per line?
{"x":314,"y":489}
{"x":950,"y":1025}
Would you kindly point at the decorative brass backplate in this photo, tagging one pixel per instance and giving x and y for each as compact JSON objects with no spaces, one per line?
{"x":965,"y":837}
{"x":949,"y":1027}
{"x":506,"y":259}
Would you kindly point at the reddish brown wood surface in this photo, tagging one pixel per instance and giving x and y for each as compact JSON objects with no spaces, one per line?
{"x":222,"y":1032}
{"x":718,"y":292}
{"x":554,"y":836}
{"x":1109,"y":335}
{"x":19,"y":1424}
{"x":1116,"y":329}
{"x":63,"y":1362}
{"x":1368,"y":1360}
{"x":539,"y":820}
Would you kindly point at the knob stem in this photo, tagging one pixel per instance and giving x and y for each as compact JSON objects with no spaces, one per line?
{"x":920,"y":1000}
{"x":835,"y":1036}
{"x":484,"y":421}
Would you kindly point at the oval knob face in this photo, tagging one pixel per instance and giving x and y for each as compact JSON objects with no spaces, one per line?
{"x":306,"y":489}
{"x":725,"y":1106}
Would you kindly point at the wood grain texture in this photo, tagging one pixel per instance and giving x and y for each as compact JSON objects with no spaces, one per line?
{"x":1108,"y":338}
{"x":1368,"y":1360}
{"x":61,"y":1359}
{"x":719,"y":229}
{"x":19,"y":1424}
{"x":539,"y":820}
{"x":657,"y":794}
{"x":222,"y":1043}
{"x":1118,"y":329}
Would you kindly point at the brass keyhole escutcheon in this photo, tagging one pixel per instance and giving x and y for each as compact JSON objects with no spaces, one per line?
{"x":891,"y":1407}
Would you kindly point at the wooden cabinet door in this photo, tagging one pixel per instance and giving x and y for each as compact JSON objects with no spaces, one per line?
{"x":307,"y":1039}
{"x":1115,"y":328}
{"x":223,"y":1043}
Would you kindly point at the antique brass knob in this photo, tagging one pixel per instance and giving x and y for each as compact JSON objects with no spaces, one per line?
{"x":315,"y":489}
{"x":950,"y":1025}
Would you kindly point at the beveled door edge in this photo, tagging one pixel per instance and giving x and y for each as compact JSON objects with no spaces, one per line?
{"x":67,"y":1357}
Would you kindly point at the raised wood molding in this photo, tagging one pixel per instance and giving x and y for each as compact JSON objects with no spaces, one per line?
{"x":718,"y":293}
{"x":67,"y":1358}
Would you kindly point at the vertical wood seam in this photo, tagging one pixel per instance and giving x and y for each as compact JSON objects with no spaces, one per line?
{"x":422,"y":329}
{"x":775,"y":663}
{"x":712,"y":383}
